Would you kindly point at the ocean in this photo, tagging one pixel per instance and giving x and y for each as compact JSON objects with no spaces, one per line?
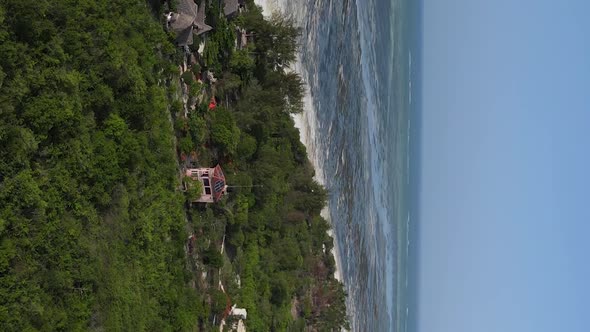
{"x":360,"y":61}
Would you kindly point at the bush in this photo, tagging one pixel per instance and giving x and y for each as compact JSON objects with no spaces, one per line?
{"x":219,"y":301}
{"x":196,"y":69}
{"x":195,"y":89}
{"x":194,"y":188}
{"x":197,"y":128}
{"x":187,"y":77}
{"x":181,"y":124}
{"x":213,"y":258}
{"x":224,"y":131}
{"x":176,"y":107}
{"x":246,"y":147}
{"x":185,"y":145}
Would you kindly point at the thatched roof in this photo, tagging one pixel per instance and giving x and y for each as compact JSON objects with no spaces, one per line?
{"x":230,"y":7}
{"x":187,"y":7}
{"x":200,"y":21}
{"x":185,"y":37}
{"x":188,"y":20}
{"x":185,"y":15}
{"x":201,"y":13}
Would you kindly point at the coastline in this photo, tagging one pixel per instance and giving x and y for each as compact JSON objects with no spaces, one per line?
{"x":307,"y":127}
{"x":372,"y":266}
{"x":306,"y":130}
{"x":202,"y":194}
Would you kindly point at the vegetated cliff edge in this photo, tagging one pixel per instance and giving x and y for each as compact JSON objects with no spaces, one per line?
{"x":92,"y":226}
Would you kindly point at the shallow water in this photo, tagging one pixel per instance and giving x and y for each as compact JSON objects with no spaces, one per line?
{"x":356,"y":57}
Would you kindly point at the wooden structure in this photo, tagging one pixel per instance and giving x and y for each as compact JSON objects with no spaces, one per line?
{"x":212,"y":181}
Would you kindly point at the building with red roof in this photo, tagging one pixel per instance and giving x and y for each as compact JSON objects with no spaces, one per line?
{"x":212,"y":181}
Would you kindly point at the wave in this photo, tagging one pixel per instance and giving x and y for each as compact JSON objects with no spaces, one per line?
{"x":378,"y":162}
{"x":349,"y":131}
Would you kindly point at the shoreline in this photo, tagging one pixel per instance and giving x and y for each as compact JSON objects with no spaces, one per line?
{"x":305,"y":131}
{"x":303,"y":122}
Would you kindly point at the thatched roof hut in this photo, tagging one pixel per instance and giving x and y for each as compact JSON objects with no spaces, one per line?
{"x":188,"y":20}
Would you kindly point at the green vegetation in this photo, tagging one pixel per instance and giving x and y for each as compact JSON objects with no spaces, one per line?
{"x":193,"y":188}
{"x":275,"y":239}
{"x":93,"y":226}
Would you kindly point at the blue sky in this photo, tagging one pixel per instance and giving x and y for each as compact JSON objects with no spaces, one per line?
{"x":505,"y":195}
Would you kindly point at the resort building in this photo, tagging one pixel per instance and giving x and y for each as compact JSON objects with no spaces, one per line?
{"x":212,"y":181}
{"x":187,"y":21}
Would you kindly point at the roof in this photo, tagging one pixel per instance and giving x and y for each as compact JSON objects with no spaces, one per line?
{"x":230,"y":7}
{"x":180,"y":22}
{"x":200,"y":21}
{"x":185,"y":37}
{"x":218,"y":183}
{"x":188,"y":20}
{"x":186,"y":13}
{"x":188,"y":7}
{"x":202,"y":29}
{"x":213,"y":181}
{"x":201,"y":13}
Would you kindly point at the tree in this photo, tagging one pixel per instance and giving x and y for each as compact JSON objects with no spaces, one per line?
{"x":279,"y":292}
{"x":276,"y":40}
{"x":333,"y":316}
{"x":293,"y":90}
{"x":229,"y":84}
{"x":242,"y":63}
{"x":219,"y":301}
{"x":224,"y":131}
{"x":246,"y":147}
{"x":213,"y":258}
{"x":87,"y":172}
{"x":197,"y":128}
{"x":115,"y":127}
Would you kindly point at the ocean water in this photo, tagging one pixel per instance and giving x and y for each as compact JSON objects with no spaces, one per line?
{"x":359,"y":60}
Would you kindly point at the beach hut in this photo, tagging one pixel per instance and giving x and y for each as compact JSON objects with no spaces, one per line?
{"x":212,"y":181}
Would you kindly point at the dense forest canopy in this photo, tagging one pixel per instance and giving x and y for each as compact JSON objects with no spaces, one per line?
{"x":93,"y":226}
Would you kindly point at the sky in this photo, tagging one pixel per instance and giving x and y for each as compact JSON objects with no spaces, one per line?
{"x":505,"y":193}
